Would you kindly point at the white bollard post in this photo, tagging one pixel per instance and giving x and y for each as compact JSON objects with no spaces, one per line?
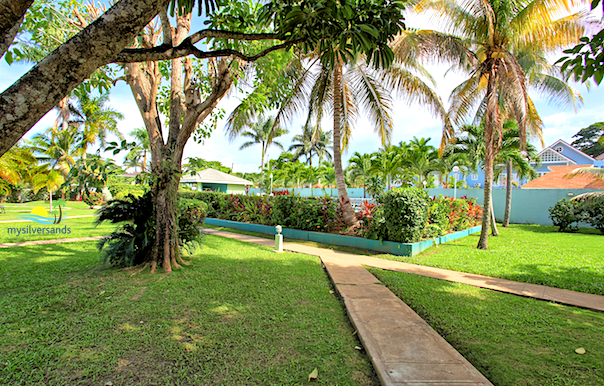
{"x":278,"y":239}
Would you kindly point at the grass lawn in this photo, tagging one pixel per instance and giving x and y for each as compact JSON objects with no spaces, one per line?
{"x":78,"y":227}
{"x":527,"y":253}
{"x":510,"y":339}
{"x":238,"y":315}
{"x":72,"y":208}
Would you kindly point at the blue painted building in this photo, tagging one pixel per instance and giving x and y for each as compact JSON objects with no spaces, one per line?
{"x":560,"y":153}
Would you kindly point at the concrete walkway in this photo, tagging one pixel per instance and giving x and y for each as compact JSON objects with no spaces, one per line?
{"x":403,"y":348}
{"x":54,"y":241}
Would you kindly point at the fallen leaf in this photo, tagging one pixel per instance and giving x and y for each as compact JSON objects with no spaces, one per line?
{"x":313,"y":375}
{"x":580,"y":350}
{"x":357,"y":348}
{"x":330,"y":291}
{"x":102,"y":292}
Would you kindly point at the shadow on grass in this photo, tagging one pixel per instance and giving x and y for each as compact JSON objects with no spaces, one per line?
{"x":512,"y":340}
{"x":554,"y":229}
{"x":239,"y":314}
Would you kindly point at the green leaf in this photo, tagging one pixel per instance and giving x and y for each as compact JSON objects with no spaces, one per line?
{"x":313,"y":375}
{"x":8,"y":57}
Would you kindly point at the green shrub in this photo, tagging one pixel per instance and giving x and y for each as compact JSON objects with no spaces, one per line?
{"x":566,"y":213}
{"x":405,"y":213}
{"x":131,"y":242}
{"x":191,"y":215}
{"x":319,"y":214}
{"x":595,"y":214}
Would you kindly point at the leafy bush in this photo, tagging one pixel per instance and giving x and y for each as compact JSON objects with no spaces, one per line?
{"x":319,"y":214}
{"x":405,"y":213}
{"x":93,"y":198}
{"x":595,"y":215}
{"x":566,"y":213}
{"x":191,"y":216}
{"x":131,"y":242}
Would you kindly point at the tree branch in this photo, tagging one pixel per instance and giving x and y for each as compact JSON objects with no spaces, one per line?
{"x":163,"y":52}
{"x":11,"y":16}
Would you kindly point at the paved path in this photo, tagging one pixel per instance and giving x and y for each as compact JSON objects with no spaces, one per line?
{"x":54,"y":241}
{"x":403,"y":348}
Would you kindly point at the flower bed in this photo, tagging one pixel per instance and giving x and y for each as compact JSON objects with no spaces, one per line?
{"x":401,"y":215}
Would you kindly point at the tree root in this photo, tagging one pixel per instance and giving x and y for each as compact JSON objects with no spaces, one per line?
{"x":182,"y":261}
{"x":140,"y":270}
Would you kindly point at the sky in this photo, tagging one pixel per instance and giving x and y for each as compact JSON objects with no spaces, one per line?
{"x":561,"y":122}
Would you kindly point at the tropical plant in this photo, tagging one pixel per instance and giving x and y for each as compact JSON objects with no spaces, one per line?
{"x":51,"y":179}
{"x":18,"y":165}
{"x":502,"y":45}
{"x":263,"y":132}
{"x":596,"y":173}
{"x":387,"y":162}
{"x":137,"y":156}
{"x":94,"y":118}
{"x":58,"y":148}
{"x":359,"y":166}
{"x":421,"y":159}
{"x":310,"y":143}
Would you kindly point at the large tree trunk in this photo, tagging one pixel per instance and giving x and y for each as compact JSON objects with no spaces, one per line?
{"x":38,"y":91}
{"x":11,"y":17}
{"x":350,"y":219}
{"x":508,"y":195}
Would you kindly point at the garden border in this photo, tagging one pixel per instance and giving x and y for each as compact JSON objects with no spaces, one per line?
{"x":391,"y":247}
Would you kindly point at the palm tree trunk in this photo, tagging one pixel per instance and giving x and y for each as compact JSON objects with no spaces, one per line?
{"x":508,"y":195}
{"x":348,"y":214}
{"x":494,"y":230}
{"x":491,"y":118}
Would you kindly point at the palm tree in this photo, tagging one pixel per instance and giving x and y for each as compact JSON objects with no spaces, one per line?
{"x":590,"y":171}
{"x":95,"y":118}
{"x":387,"y":162}
{"x":311,"y":142}
{"x":502,"y":45}
{"x":344,"y":88}
{"x":16,"y":165}
{"x":421,"y":159}
{"x":59,"y":148}
{"x":51,"y":179}
{"x":359,"y":166}
{"x":445,"y":164}
{"x":137,"y":156}
{"x":263,"y":133}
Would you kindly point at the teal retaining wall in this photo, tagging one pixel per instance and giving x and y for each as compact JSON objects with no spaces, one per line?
{"x":399,"y":249}
{"x":529,"y":206}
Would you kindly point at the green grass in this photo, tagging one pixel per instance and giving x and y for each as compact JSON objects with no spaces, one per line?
{"x":527,"y":253}
{"x":78,"y":227}
{"x":72,"y":208}
{"x":238,"y":315}
{"x":510,"y":339}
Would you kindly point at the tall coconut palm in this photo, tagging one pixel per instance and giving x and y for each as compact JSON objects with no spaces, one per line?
{"x":51,"y":179}
{"x":310,"y":143}
{"x":502,"y":45}
{"x":263,"y":133}
{"x":137,"y":156}
{"x":344,"y":88}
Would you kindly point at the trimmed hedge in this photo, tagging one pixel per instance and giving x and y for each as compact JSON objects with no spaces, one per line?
{"x":403,"y":215}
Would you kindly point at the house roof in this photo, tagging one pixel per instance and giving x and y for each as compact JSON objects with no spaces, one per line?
{"x":555,"y":179}
{"x":551,"y":149}
{"x":571,"y":147}
{"x":212,"y":176}
{"x":600,"y":157}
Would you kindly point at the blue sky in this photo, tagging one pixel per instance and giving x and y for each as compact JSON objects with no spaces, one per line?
{"x":561,"y":122}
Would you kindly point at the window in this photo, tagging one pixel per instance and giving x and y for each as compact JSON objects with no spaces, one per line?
{"x":474,"y":177}
{"x":559,"y":149}
{"x":552,"y":156}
